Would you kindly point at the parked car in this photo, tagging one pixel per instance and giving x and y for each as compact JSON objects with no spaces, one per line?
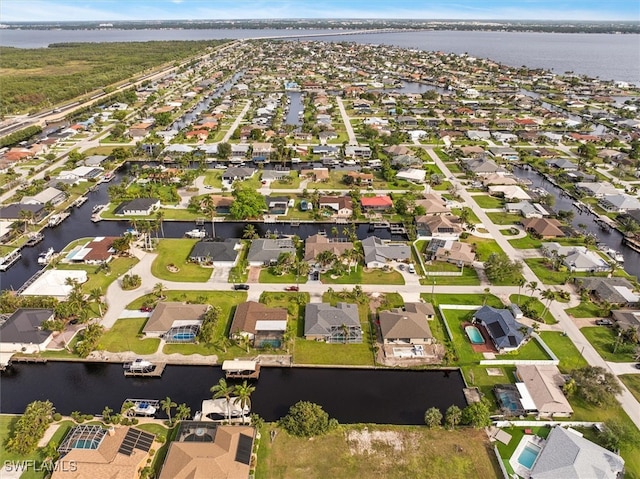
{"x":241,"y":287}
{"x":146,"y":309}
{"x":291,"y":288}
{"x":637,"y":365}
{"x":401,"y":267}
{"x":604,"y":322}
{"x":411,"y":269}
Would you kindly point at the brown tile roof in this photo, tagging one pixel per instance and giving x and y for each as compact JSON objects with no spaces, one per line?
{"x":99,"y":248}
{"x":317,"y":243}
{"x":249,"y":313}
{"x":166,"y":313}
{"x":410,"y":322}
{"x":543,"y":226}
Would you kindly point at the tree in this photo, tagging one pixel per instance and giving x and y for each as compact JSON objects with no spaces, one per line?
{"x":477,"y":414}
{"x":182,"y":412}
{"x":223,"y":390}
{"x":550,"y":296}
{"x":433,"y":417}
{"x":167,"y":404}
{"x":248,"y":203}
{"x":159,"y":289}
{"x":325,"y":258}
{"x":596,"y":385}
{"x":452,"y":416}
{"x":30,"y":428}
{"x":499,"y":268}
{"x":520,"y":282}
{"x":250,"y":232}
{"x":306,"y":419}
{"x":224,"y":150}
{"x":244,"y":391}
{"x":160,"y":219}
{"x":532,"y":286}
{"x":96,"y":295}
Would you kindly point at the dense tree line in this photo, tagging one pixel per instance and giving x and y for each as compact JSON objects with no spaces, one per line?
{"x":30,"y":427}
{"x":43,"y":77}
{"x":20,"y":135}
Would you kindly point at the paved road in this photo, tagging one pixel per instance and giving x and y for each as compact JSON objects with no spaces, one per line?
{"x":236,"y":122}
{"x":347,"y":122}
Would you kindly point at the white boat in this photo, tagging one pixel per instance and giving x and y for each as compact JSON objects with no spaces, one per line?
{"x":97,"y":208}
{"x":46,"y":256}
{"x":139,"y":366}
{"x":196,"y":234}
{"x":616,"y":255}
{"x":218,"y":409}
{"x":142,"y":407}
{"x":8,"y":260}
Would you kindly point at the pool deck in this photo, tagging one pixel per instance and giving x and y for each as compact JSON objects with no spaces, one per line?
{"x":487,"y":347}
{"x":527,"y":439}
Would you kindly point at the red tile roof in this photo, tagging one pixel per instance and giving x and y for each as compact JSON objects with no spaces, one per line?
{"x":376,"y":201}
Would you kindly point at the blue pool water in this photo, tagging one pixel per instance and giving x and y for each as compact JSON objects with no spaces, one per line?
{"x":528,"y":456}
{"x":474,"y":335}
{"x":85,"y":444}
{"x":507,"y":401}
{"x":183,"y":337}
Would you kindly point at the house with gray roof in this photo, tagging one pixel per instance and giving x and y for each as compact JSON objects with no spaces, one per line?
{"x":614,"y":290}
{"x":168,"y":316}
{"x":504,"y":331}
{"x":377,"y":253}
{"x":22,"y":331}
{"x":481,"y":166}
{"x":333,"y":324}
{"x":568,"y":455}
{"x":95,"y":160}
{"x":576,"y":258}
{"x":49,"y":195}
{"x":239,"y":173}
{"x":272,"y":175}
{"x":524,"y":208}
{"x":620,"y":203}
{"x":597,"y":190}
{"x":562,"y":164}
{"x":625,"y":319}
{"x":264,"y":252}
{"x":407,"y":325}
{"x":220,"y":254}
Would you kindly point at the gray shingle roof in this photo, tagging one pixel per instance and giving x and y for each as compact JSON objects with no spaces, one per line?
{"x":268,"y":250}
{"x":502,"y":326}
{"x":320,"y":317}
{"x":377,"y":250}
{"x":215,"y":250}
{"x":23,"y":326}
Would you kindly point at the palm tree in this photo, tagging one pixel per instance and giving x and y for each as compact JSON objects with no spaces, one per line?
{"x":223,"y":390}
{"x":96,"y":295}
{"x":532,"y":286}
{"x":167,"y":404}
{"x":243,"y":391}
{"x":250,"y":232}
{"x":159,"y":289}
{"x":183,"y":412}
{"x":550,"y":296}
{"x":209,"y":207}
{"x":26,"y":217}
{"x":325,"y":258}
{"x":302,"y":268}
{"x":160,"y":219}
{"x":520,"y":282}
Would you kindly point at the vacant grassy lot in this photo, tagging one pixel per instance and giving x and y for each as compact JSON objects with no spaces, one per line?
{"x":176,"y":252}
{"x":604,"y":339}
{"x":585,"y":310}
{"x":267,"y":277}
{"x":632,"y":381}
{"x":545,"y":272}
{"x":469,"y":277}
{"x":365,"y":276}
{"x":488,"y":202}
{"x":123,"y":336}
{"x":569,"y":356}
{"x":468,"y":299}
{"x":504,"y":218}
{"x":101,"y":280}
{"x":390,"y":452}
{"x":484,"y":247}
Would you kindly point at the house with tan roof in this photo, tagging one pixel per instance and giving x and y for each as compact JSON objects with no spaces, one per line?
{"x":544,"y":385}
{"x":168,"y":316}
{"x":316,"y":244}
{"x":433,"y":204}
{"x":454,"y":252}
{"x":98,"y":250}
{"x":341,"y":205}
{"x":209,"y":450}
{"x":96,"y":452}
{"x":438,"y":226}
{"x":407,"y":325}
{"x":259,"y":323}
{"x":543,"y":227}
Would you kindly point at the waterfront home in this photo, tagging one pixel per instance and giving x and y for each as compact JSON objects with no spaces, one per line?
{"x":438,"y":226}
{"x":505,"y":332}
{"x":50,"y":195}
{"x":504,"y":152}
{"x":332,"y":324}
{"x":509,"y":192}
{"x":237,"y":173}
{"x":219,"y":254}
{"x":221,"y":203}
{"x":362,"y":179}
{"x":325,"y":150}
{"x":576,"y":258}
{"x":260,"y":324}
{"x":543,"y":227}
{"x":56,"y":283}
{"x":407,"y":325}
{"x":206,"y":449}
{"x":23,"y":331}
{"x":137,"y":207}
{"x":277,"y":205}
{"x":15,"y":212}
{"x":177,"y":149}
{"x":473,"y":151}
{"x":6,"y":230}
{"x":260,"y":150}
{"x":482,"y":167}
{"x":619,"y":203}
{"x":240,"y":150}
{"x":615,"y":290}
{"x":562,"y":164}
{"x":626,"y":319}
{"x":412,"y":174}
{"x":377,"y":253}
{"x":264,"y":252}
{"x":406,"y":161}
{"x":95,"y":451}
{"x":342,"y":206}
{"x":376,"y":203}
{"x":567,"y":454}
{"x":272,"y":175}
{"x":317,"y":174}
{"x":478,"y":135}
{"x":95,"y":160}
{"x":327,"y":135}
{"x":526,"y":209}
{"x":140,"y":130}
{"x":353,"y":151}
{"x":169,"y":319}
{"x":543,"y":384}
{"x":97,"y":251}
{"x":397,"y":150}
{"x":450,"y":251}
{"x":597,"y":190}
{"x":316,"y":244}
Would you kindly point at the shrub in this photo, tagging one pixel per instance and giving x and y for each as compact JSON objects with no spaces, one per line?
{"x":57,"y":416}
{"x":306,"y":419}
{"x":30,"y":427}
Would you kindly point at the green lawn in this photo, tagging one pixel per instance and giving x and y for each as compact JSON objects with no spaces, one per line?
{"x":488,"y":202}
{"x":7,"y":423}
{"x":484,"y":247}
{"x":465,"y":354}
{"x":176,"y":251}
{"x":569,"y":356}
{"x":632,"y":381}
{"x":531,"y":350}
{"x":267,"y":277}
{"x":360,"y":275}
{"x":503,"y":218}
{"x":213,"y":178}
{"x":535,"y":304}
{"x":477,"y":376}
{"x":469,"y":276}
{"x":585,"y":310}
{"x":604,"y":339}
{"x":545,"y":273}
{"x":284,"y":185}
{"x":101,"y":280}
{"x":466,"y":299}
{"x":123,"y":336}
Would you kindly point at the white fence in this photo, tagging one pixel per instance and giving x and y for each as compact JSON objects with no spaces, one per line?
{"x":443,"y":273}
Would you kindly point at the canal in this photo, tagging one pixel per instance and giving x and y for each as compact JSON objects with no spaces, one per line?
{"x":349,"y":395}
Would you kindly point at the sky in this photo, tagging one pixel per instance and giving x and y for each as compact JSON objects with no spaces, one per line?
{"x":103,"y":10}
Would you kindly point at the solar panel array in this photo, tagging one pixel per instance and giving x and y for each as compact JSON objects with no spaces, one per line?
{"x":136,"y":439}
{"x":243,"y":453}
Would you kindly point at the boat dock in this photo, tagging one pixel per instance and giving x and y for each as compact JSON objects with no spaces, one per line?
{"x":10,"y":259}
{"x":155,"y":373}
{"x":56,"y":219}
{"x":81,"y":200}
{"x":34,"y":239}
{"x":28,"y":359}
{"x":142,"y":407}
{"x":241,"y":369}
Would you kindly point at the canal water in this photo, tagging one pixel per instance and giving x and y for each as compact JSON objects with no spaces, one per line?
{"x":295,"y":107}
{"x":349,"y":395}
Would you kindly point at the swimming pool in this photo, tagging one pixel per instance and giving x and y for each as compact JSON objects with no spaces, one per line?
{"x":85,"y":444}
{"x":474,"y":335}
{"x":529,"y":455}
{"x":183,"y":337}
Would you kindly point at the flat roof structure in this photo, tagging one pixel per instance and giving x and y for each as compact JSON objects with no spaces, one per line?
{"x":53,"y":283}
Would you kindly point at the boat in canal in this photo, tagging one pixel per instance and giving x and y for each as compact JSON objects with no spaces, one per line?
{"x":46,"y":256}
{"x":34,"y":239}
{"x":142,"y":407}
{"x":196,"y":234}
{"x":615,"y":255}
{"x":56,"y":219}
{"x":219,"y":409}
{"x":9,"y":259}
{"x":139,"y":365}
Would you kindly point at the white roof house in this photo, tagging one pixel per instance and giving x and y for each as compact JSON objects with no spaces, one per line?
{"x":412,"y":174}
{"x":53,"y":283}
{"x":510,"y":192}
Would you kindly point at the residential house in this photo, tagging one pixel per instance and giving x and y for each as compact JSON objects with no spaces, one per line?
{"x":264,"y":252}
{"x":361,"y":179}
{"x":509,"y":192}
{"x":576,"y":258}
{"x":438,"y":226}
{"x":94,"y":161}
{"x":626,"y":319}
{"x":332,"y":324}
{"x":325,"y":150}
{"x":412,"y":174}
{"x":277,"y":205}
{"x":473,"y":151}
{"x":341,"y":205}
{"x":377,"y":253}
{"x":15,"y":212}
{"x":406,"y":161}
{"x":544,"y":386}
{"x":222,"y":204}
{"x":81,"y":173}
{"x":219,"y":254}
{"x":619,"y":203}
{"x":504,"y":152}
{"x":526,"y":209}
{"x":318,"y":174}
{"x":55,"y":282}
{"x":327,"y":135}
{"x":273,"y":175}
{"x":478,"y":135}
{"x":207,"y":449}
{"x":261,"y":150}
{"x":169,"y":317}
{"x":543,"y":227}
{"x":567,"y":454}
{"x":137,"y":207}
{"x":238,"y":173}
{"x":615,"y":290}
{"x":140,"y":130}
{"x":240,"y":150}
{"x":397,"y":150}
{"x":451,"y":251}
{"x":95,"y":451}
{"x":407,"y":325}
{"x":376,"y":203}
{"x":562,"y":164}
{"x":354,"y":151}
{"x":262,"y":325}
{"x":97,"y":251}
{"x":50,"y":195}
{"x":316,"y":244}
{"x":598,"y":190}
{"x":482,"y":167}
{"x":505,"y":332}
{"x":23,"y":331}
{"x":433,"y":204}
{"x":496,"y":179}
